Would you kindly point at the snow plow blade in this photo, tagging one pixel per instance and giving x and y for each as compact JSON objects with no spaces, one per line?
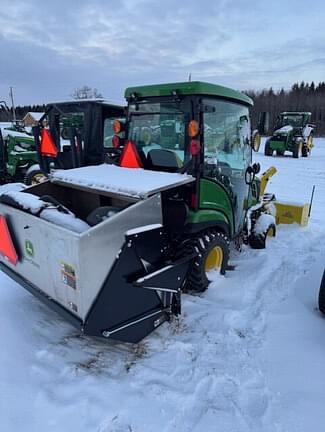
{"x":112,"y":278}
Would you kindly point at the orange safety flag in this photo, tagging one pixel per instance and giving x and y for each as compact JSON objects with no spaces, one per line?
{"x":47,"y":146}
{"x":130,"y":157}
{"x":7,"y":248}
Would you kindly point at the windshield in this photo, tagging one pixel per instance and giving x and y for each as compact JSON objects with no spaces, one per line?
{"x":292,"y":120}
{"x":158,"y":130}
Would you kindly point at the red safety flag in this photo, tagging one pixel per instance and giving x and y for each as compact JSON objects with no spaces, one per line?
{"x":130,"y":157}
{"x":7,"y":248}
{"x":47,"y":146}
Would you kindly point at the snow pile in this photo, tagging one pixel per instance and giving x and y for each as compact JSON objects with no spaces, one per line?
{"x":135,"y":182}
{"x":16,"y":134}
{"x":27,"y":201}
{"x":263,"y":223}
{"x":65,"y":220}
{"x":18,"y":187}
{"x":50,"y":213}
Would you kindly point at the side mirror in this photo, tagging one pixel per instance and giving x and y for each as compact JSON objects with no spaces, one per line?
{"x":255,"y":140}
{"x":263,"y":124}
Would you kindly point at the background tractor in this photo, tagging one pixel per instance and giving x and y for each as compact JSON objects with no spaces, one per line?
{"x":293,"y":132}
{"x":79,"y":133}
{"x":18,"y":157}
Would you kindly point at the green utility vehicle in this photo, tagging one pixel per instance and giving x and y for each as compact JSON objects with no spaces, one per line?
{"x":204,"y":130}
{"x":293,"y":132}
{"x":18,"y":157}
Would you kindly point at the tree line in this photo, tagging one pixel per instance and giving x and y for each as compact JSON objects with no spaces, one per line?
{"x":301,"y":97}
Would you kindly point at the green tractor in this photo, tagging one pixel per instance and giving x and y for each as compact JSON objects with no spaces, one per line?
{"x":294,"y":133}
{"x":203,"y":130}
{"x":18,"y":157}
{"x":127,"y":237}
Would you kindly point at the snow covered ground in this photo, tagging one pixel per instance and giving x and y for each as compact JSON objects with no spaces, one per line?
{"x":247,"y":355}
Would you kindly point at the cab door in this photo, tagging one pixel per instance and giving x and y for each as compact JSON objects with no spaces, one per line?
{"x":227,"y":151}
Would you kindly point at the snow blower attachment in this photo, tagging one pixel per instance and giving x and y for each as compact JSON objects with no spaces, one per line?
{"x":96,"y":254}
{"x":285,"y":212}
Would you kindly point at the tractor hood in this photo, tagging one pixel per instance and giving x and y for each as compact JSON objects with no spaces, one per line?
{"x":135,"y":183}
{"x":285,"y":130}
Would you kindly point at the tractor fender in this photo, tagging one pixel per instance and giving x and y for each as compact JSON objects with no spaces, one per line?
{"x":32,"y":168}
{"x":203,"y":219}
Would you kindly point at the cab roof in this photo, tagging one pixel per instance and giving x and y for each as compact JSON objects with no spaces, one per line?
{"x":288,"y":113}
{"x":188,"y":88}
{"x":97,"y":101}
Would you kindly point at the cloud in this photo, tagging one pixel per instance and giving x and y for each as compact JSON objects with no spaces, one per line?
{"x":49,"y":48}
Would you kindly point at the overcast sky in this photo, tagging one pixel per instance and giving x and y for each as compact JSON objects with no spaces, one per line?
{"x":48,"y":48}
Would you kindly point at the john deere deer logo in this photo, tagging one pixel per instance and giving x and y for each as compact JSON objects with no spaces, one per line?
{"x":29,"y":248}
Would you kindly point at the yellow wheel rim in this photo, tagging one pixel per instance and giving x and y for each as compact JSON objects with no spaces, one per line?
{"x":38,"y":178}
{"x":214,"y":259}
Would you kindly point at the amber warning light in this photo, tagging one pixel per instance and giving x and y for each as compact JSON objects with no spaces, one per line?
{"x":7,"y":248}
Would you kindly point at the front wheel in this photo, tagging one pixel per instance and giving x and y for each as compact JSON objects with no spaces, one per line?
{"x":297,"y":147}
{"x":211,"y":254}
{"x":304,"y":151}
{"x":264,"y":227}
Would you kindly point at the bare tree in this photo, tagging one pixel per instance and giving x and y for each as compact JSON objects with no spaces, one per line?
{"x":86,"y":92}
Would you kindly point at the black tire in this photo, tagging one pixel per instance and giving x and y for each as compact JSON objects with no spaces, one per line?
{"x":279,"y":153}
{"x":258,"y":241}
{"x":304,"y":151}
{"x":201,"y":246}
{"x":296,"y":149}
{"x":35,"y":176}
{"x":267,"y":149}
{"x":321,"y":295}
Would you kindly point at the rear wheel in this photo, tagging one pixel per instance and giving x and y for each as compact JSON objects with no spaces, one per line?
{"x":267,"y":149}
{"x":321,"y":295}
{"x":211,"y":254}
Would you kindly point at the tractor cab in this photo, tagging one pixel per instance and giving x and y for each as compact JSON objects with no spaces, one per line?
{"x":200,"y":129}
{"x":297,"y":120}
{"x":76,"y":133}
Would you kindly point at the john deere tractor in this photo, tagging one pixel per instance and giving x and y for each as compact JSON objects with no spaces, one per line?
{"x":81,"y":133}
{"x":203,"y":130}
{"x":293,"y":133}
{"x":111,"y":247}
{"x":18,"y":157}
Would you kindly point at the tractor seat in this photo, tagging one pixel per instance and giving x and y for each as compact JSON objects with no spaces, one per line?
{"x":163,"y":160}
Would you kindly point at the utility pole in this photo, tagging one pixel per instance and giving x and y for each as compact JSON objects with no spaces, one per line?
{"x":11,"y":94}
